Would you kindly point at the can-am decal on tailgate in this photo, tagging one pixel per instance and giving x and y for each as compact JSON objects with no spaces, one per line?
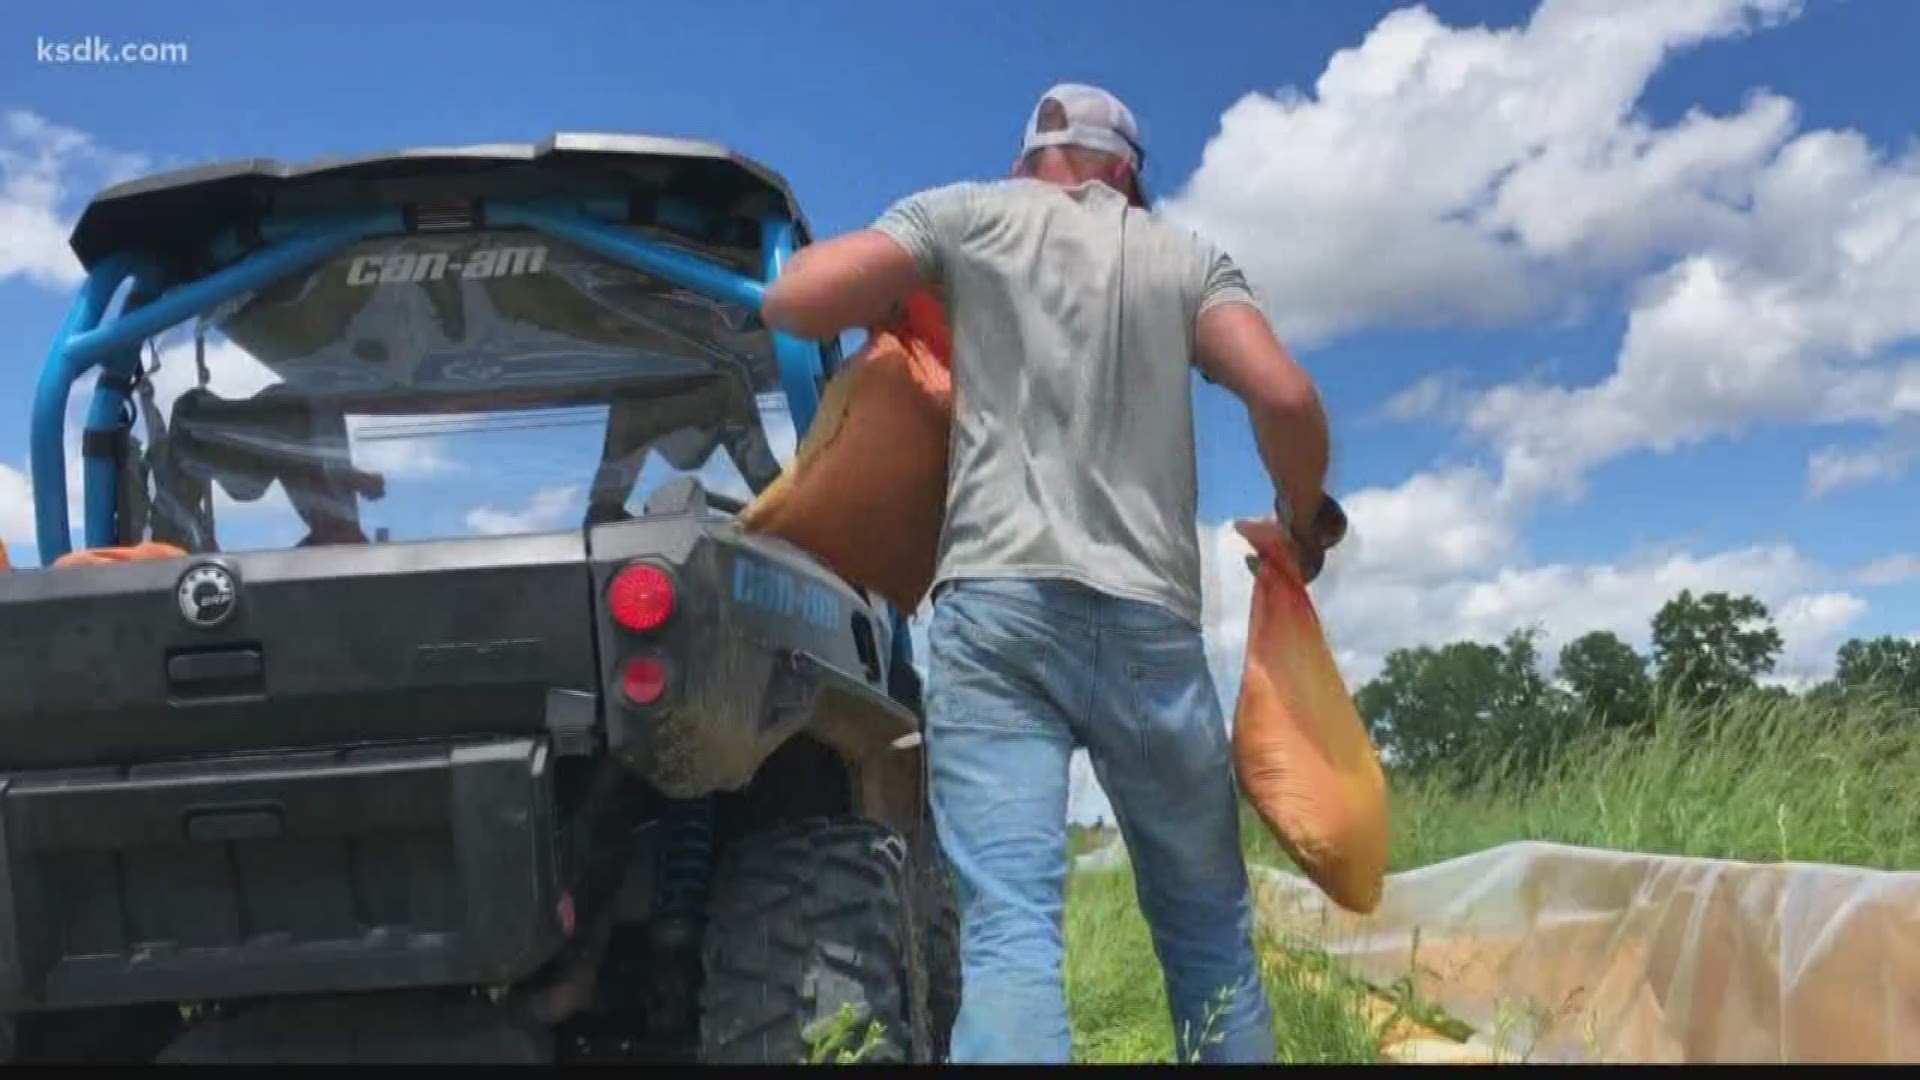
{"x":407,"y":267}
{"x":767,"y":587}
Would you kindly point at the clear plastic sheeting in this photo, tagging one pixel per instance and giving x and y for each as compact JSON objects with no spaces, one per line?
{"x":1557,"y":953}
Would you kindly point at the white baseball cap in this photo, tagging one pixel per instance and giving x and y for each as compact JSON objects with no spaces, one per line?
{"x":1074,"y":114}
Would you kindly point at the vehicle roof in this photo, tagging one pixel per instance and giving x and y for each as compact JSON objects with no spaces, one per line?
{"x":174,"y":215}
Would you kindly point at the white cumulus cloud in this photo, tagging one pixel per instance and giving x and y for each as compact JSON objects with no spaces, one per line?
{"x":403,"y":458}
{"x":1431,"y":395}
{"x":1369,"y":614}
{"x":232,"y":372}
{"x":1440,"y":174}
{"x":1794,"y":309}
{"x":46,"y":172}
{"x":1890,"y":570}
{"x":16,"y":506}
{"x":1832,"y":468}
{"x":1434,"y":525}
{"x":545,"y":509}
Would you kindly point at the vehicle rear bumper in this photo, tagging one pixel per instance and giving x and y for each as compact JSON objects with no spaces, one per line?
{"x":281,"y":873}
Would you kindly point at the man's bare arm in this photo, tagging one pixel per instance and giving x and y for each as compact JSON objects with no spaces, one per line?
{"x":1237,"y":349}
{"x":840,"y":284}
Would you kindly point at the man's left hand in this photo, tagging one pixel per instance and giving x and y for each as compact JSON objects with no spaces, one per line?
{"x":1307,"y":541}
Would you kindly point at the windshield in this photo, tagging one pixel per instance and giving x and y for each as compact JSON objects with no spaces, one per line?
{"x":427,"y":387}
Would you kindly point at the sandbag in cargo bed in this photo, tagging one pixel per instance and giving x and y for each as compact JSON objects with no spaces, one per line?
{"x":106,"y":556}
{"x":867,"y":491}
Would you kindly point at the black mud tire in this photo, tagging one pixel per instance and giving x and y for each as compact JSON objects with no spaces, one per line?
{"x":939,"y":916}
{"x":803,"y":919}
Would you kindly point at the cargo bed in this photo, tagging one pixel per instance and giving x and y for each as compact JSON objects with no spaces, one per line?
{"x":279,"y":873}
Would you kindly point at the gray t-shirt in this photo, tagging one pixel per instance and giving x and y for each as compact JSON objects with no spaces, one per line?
{"x":1073,"y":320}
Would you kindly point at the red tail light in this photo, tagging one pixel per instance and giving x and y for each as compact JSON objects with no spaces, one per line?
{"x":640,"y":598}
{"x":643,"y":680}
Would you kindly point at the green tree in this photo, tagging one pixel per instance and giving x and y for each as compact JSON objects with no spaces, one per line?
{"x":1427,"y":705}
{"x":1532,"y":717}
{"x":1884,"y":665}
{"x":1608,"y":678}
{"x":1712,"y":646}
{"x":1467,"y":705}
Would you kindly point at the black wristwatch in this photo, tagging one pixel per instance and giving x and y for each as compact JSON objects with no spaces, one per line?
{"x":1290,"y":524}
{"x":1329,"y":527}
{"x":1326,"y":530}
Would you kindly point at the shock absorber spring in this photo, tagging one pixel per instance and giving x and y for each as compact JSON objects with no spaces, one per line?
{"x":686,"y":869}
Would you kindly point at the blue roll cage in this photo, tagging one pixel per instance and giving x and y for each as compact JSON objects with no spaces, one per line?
{"x":152,"y":305}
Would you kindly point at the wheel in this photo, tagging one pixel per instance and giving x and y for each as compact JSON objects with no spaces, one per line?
{"x":803,"y":919}
{"x":940,"y":938}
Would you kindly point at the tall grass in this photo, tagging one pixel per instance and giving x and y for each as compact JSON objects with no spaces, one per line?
{"x":1759,"y":778}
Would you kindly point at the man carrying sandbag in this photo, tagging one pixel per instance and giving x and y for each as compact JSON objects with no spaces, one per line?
{"x":1067,"y":597}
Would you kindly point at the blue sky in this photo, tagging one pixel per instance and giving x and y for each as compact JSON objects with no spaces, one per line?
{"x":1531,"y":277}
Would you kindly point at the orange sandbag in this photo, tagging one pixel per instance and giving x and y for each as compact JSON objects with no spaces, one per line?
{"x":141,"y":552}
{"x":866,"y":493}
{"x":1300,"y":748}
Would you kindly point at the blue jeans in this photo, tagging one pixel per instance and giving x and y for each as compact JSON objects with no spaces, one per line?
{"x":1023,"y":672}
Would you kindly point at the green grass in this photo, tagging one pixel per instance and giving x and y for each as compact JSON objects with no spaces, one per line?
{"x":1757,"y":780}
{"x":1118,"y":1002}
{"x":840,"y":1039}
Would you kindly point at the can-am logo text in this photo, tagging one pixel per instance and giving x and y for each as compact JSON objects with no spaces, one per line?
{"x":769,"y":588}
{"x":410,"y":267}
